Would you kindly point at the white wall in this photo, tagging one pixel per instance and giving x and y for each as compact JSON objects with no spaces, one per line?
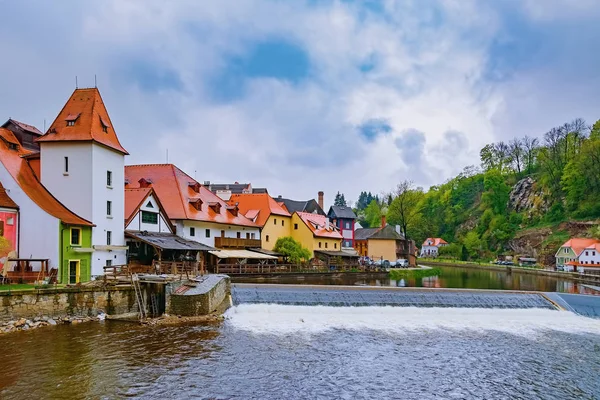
{"x":136,"y":223}
{"x":39,"y":231}
{"x":589,"y":256}
{"x":433,"y":250}
{"x":183,"y":230}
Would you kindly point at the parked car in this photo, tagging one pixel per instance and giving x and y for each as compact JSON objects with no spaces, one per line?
{"x":382,"y":263}
{"x":400,"y":263}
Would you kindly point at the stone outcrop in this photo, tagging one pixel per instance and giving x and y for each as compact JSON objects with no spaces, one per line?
{"x":526,"y":197}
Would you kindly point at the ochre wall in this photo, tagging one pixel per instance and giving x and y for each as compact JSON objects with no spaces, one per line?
{"x":275,"y":230}
{"x":382,"y":248}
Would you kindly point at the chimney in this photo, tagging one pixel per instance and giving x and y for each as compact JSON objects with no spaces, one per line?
{"x":383,"y":222}
{"x":321,"y":194}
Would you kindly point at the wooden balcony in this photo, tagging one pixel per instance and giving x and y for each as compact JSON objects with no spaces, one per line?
{"x":235,"y":243}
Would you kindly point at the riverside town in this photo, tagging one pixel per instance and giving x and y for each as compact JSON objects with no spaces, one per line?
{"x":291,"y":200}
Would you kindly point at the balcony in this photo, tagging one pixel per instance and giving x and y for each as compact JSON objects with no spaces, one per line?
{"x":235,"y":243}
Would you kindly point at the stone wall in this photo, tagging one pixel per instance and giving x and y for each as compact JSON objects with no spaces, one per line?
{"x":203,"y":299}
{"x":66,"y":302}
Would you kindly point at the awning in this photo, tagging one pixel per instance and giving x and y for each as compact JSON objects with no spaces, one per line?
{"x":241,"y":254}
{"x":267,"y":252}
{"x":167,"y":241}
{"x":337,"y":254}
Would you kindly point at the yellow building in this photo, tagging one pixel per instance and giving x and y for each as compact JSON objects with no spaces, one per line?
{"x":274,"y":220}
{"x":379,"y":243}
{"x":315,"y":232}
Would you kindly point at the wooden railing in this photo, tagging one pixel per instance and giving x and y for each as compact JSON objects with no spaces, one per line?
{"x":236,"y":269}
{"x":235,"y":243}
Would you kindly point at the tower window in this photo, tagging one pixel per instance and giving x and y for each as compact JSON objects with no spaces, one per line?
{"x":66,"y":164}
{"x":71,"y":123}
{"x":109,"y":208}
{"x":109,"y":178}
{"x":104,"y":129}
{"x":108,"y":238}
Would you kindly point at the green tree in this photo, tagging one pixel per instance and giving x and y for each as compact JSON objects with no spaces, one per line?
{"x":472,"y":243}
{"x":373,"y":214}
{"x":292,"y":249}
{"x":496,"y":193}
{"x":340,"y":200}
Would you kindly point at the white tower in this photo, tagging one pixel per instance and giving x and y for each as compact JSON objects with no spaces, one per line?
{"x":83,"y":166}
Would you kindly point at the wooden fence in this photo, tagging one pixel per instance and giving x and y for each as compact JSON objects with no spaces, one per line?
{"x":236,"y":269}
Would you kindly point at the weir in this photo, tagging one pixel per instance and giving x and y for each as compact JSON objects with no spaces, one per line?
{"x":341,"y":296}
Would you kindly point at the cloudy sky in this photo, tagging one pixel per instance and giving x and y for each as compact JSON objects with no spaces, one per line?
{"x":302,"y":96}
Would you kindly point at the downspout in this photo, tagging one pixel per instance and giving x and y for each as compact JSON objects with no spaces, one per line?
{"x":61,"y":253}
{"x":18,"y":233}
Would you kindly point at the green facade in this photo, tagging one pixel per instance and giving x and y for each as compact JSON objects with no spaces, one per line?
{"x":75,"y":266}
{"x":563,"y":256}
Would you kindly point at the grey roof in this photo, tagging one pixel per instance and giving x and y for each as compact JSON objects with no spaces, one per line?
{"x":167,"y":241}
{"x":337,"y":253}
{"x":236,"y":188}
{"x":341,"y":212}
{"x":293,"y":206}
{"x":268,"y":252}
{"x":259,"y":190}
{"x":364,"y":233}
{"x":388,"y":232}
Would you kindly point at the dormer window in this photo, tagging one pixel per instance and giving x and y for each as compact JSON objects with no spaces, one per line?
{"x":144,"y":183}
{"x":196,"y":203}
{"x":235,"y":210}
{"x":13,"y":146}
{"x":104,"y":125}
{"x":215,"y":206}
{"x":71,"y":118}
{"x":195,"y":186}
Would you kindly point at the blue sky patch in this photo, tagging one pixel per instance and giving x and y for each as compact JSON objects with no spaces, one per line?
{"x":374,"y":128}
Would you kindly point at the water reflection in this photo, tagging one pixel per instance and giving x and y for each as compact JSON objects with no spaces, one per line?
{"x":450,"y":277}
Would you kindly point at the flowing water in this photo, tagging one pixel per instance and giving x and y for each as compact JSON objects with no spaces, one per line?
{"x":275,"y":351}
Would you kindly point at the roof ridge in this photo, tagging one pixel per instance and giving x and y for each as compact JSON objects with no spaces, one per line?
{"x":183,"y":203}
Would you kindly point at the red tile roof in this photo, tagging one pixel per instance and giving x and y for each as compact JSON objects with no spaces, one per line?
{"x":176,"y":191}
{"x":5,"y":200}
{"x":86,"y":108}
{"x":23,"y":174}
{"x":318,"y":225}
{"x":135,"y":199}
{"x":579,"y":244}
{"x":435,"y":242}
{"x":248,"y":203}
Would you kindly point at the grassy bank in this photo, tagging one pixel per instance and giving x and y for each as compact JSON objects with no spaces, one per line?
{"x":397,"y":274}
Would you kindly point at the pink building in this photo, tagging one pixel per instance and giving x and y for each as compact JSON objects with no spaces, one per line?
{"x":9,"y":219}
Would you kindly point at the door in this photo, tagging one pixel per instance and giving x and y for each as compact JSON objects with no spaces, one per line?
{"x":74,"y":271}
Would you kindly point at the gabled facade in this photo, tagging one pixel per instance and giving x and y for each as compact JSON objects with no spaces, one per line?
{"x":47,"y":229}
{"x":196,"y":212}
{"x":570,"y":251}
{"x":344,"y":218}
{"x":431,"y":247}
{"x":383,"y":243}
{"x":82,"y":164}
{"x":315,"y":232}
{"x":144,"y":212}
{"x":307,"y":206}
{"x":275,"y":222}
{"x":26,"y":134}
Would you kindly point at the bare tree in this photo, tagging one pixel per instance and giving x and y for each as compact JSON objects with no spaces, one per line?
{"x":530,"y":147}
{"x":516,"y":154}
{"x":502,"y":153}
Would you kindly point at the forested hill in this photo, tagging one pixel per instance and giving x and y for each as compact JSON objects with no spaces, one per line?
{"x":525,"y":186}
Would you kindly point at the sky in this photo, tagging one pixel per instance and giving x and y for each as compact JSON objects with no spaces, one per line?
{"x":303,"y":96}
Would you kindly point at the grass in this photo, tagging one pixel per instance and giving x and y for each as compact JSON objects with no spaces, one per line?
{"x":397,"y":274}
{"x":17,"y":286}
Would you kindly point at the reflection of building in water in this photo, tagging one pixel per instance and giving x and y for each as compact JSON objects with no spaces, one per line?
{"x":431,"y":282}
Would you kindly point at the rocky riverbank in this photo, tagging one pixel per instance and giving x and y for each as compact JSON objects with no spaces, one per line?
{"x":23,"y":324}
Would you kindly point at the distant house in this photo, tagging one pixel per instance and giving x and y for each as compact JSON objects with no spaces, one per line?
{"x":226,"y":190}
{"x":25,"y":133}
{"x":316,"y":233}
{"x":571,"y":250}
{"x":431,"y":247}
{"x":385,"y":242}
{"x":344,"y":218}
{"x":262,"y":209}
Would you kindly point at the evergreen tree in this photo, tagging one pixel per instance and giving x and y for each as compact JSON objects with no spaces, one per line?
{"x":340,"y":200}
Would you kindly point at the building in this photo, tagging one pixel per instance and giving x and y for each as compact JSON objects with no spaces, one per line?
{"x":26,"y":134}
{"x":344,"y":218}
{"x":431,"y":247}
{"x":306,"y":206}
{"x":196,"y":212}
{"x":274,"y":220}
{"x":316,"y":233}
{"x":226,"y":190}
{"x":571,"y":250}
{"x":9,"y":220}
{"x":151,"y":237}
{"x":46,"y":228}
{"x":383,"y":243}
{"x":82,"y":164}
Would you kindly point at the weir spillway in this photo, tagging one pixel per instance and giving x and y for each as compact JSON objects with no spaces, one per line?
{"x":304,"y":295}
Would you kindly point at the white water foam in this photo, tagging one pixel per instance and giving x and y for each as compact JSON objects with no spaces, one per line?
{"x":285,"y":319}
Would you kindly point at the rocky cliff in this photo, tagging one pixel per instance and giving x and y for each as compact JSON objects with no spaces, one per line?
{"x":528,"y":198}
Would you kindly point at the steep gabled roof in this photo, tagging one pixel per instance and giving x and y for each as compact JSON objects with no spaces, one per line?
{"x":260,"y":201}
{"x":579,"y":244}
{"x":318,"y":225}
{"x":29,"y":128}
{"x":136,"y":198}
{"x":18,"y":167}
{"x":5,"y":200}
{"x":178,"y":195}
{"x":364,"y":233}
{"x":388,"y":232}
{"x":292,"y":206}
{"x":434,"y":242}
{"x":86,"y":109}
{"x":341,"y":212}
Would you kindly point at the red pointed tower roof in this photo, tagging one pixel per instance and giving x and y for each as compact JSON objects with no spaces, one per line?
{"x":84,"y":118}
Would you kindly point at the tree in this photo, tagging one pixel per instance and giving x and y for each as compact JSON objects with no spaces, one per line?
{"x":472,"y":243}
{"x":373,"y":214}
{"x":340,"y":200}
{"x":530,"y":148}
{"x":516,"y":154}
{"x":496,"y":193}
{"x":292,"y":249}
{"x":405,"y":210}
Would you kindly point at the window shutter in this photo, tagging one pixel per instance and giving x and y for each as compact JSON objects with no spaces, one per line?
{"x":84,"y":273}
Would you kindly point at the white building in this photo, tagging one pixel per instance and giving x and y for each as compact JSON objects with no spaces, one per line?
{"x":431,"y":246}
{"x":82,"y":165}
{"x":197,"y":213}
{"x":589,"y":258}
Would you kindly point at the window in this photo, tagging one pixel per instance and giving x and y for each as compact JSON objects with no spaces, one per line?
{"x":239,"y":235}
{"x":296,"y":226}
{"x":109,"y":208}
{"x":109,"y":178}
{"x":104,"y":129}
{"x":13,"y":146}
{"x":593,"y":253}
{"x":149,"y":217}
{"x":253,"y":235}
{"x":149,"y":205}
{"x":282,"y":223}
{"x":587,"y":253}
{"x":247,"y":235}
{"x":325,"y":244}
{"x":192,"y":231}
{"x":319,"y":244}
{"x":222,"y":233}
{"x":275,"y":221}
{"x":348,"y":244}
{"x":108,"y":238}
{"x":10,"y":221}
{"x":347,"y":225}
{"x":207,"y":233}
{"x":75,"y":237}
{"x":335,"y":245}
{"x":566,"y":250}
{"x":109,"y":263}
{"x":71,"y":123}
{"x":66,"y":164}
{"x":267,"y":238}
